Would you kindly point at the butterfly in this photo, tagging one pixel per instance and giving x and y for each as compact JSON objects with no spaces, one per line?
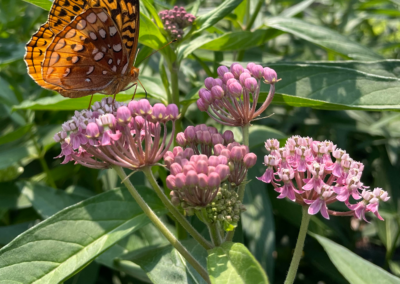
{"x":86,"y":47}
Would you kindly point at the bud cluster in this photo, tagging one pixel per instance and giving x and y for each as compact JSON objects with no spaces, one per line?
{"x":202,"y":138}
{"x":113,"y":133}
{"x":231,"y":99}
{"x":310,"y":177}
{"x":225,"y":208}
{"x":176,"y":20}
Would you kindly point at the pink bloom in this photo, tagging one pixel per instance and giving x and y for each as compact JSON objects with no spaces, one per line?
{"x":316,"y":181}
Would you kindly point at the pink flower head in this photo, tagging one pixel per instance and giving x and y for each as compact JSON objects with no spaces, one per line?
{"x":175,"y":20}
{"x":132,"y":136}
{"x":232,"y":98}
{"x":303,"y":172}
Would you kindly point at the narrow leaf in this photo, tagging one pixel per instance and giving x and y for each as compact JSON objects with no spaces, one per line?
{"x":354,"y":268}
{"x":295,"y":9}
{"x":324,"y":37}
{"x":44,"y":4}
{"x":233,"y":263}
{"x":64,"y":243}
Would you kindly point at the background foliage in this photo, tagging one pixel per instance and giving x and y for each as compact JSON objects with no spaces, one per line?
{"x":340,"y":81}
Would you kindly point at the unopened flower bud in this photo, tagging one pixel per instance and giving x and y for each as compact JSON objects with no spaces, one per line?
{"x":191,"y":179}
{"x":190,"y":134}
{"x":171,"y":182}
{"x":250,"y":84}
{"x":202,"y":105}
{"x":250,"y":160}
{"x":92,"y":130}
{"x":203,"y":181}
{"x":214,"y":180}
{"x":208,"y":82}
{"x":217,"y":139}
{"x":206,"y":96}
{"x":144,"y":107}
{"x":236,"y":154}
{"x":235,"y":89}
{"x":202,"y":167}
{"x":123,"y":115}
{"x":237,"y":70}
{"x":180,"y":138}
{"x":218,"y":149}
{"x":223,"y":171}
{"x":180,"y":181}
{"x":217,"y":92}
{"x":243,"y":77}
{"x":227,"y":76}
{"x":175,"y":169}
{"x":172,"y":112}
{"x":270,"y":75}
{"x":228,"y":137}
{"x":222,"y":70}
{"x":257,"y":71}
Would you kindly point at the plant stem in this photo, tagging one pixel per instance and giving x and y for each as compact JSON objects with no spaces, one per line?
{"x":174,"y":211}
{"x":214,"y":234}
{"x":298,"y":251}
{"x":242,"y":187}
{"x":160,"y":225}
{"x":174,"y":70}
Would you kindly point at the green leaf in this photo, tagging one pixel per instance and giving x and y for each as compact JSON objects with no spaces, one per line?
{"x":47,"y":201}
{"x":56,"y":248}
{"x":234,"y":41}
{"x":295,"y":9}
{"x":185,"y":49}
{"x":260,"y":133}
{"x":164,"y":265}
{"x":8,"y":233}
{"x":12,"y":198}
{"x":322,"y":36}
{"x":16,"y":134}
{"x":153,"y":12}
{"x":44,"y":4}
{"x":354,"y":268}
{"x":211,"y":18}
{"x":153,"y":86}
{"x":337,"y":85}
{"x":233,"y":263}
{"x":11,"y":156}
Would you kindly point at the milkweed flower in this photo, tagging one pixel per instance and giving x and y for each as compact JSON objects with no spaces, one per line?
{"x":231,"y":99}
{"x":175,"y":20}
{"x":303,"y":171}
{"x":130,"y":135}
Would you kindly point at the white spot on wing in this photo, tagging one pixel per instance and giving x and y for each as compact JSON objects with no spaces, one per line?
{"x":117,"y":47}
{"x":99,"y":56}
{"x":54,"y":58}
{"x":91,"y":69}
{"x":93,"y":36}
{"x":78,"y":47}
{"x":50,"y":70}
{"x":113,"y":31}
{"x":124,"y":69}
{"x":95,"y":50}
{"x":110,"y":61}
{"x":88,"y":80}
{"x":70,"y":33}
{"x":104,"y":72}
{"x":102,"y":33}
{"x":114,"y":68}
{"x":103,"y":49}
{"x":81,"y":25}
{"x":102,"y":16}
{"x":60,"y":44}
{"x":75,"y":59}
{"x":91,"y":18}
{"x":67,"y":71}
{"x":118,"y":61}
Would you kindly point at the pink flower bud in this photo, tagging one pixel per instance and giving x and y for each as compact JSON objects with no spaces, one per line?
{"x":202,"y":158}
{"x":212,"y":130}
{"x":257,"y":71}
{"x":231,"y":81}
{"x":228,"y":137}
{"x":222,"y":160}
{"x":180,"y":138}
{"x":211,"y":169}
{"x":177,"y":150}
{"x":159,"y":112}
{"x":218,"y":148}
{"x":236,"y":154}
{"x":199,"y":136}
{"x":206,"y":138}
{"x":250,"y":160}
{"x":236,"y":70}
{"x":190,"y":134}
{"x":251,"y":84}
{"x":201,"y":105}
{"x":243,"y":77}
{"x":175,"y":169}
{"x":206,"y":96}
{"x":92,"y":130}
{"x":139,"y":122}
{"x":227,"y":76}
{"x":191,"y":179}
{"x":250,"y":66}
{"x":123,"y":115}
{"x":214,"y":180}
{"x":134,"y":107}
{"x":270,"y":75}
{"x":171,"y":182}
{"x":168,"y":161}
{"x":222,"y":70}
{"x":203,"y":181}
{"x":144,"y":107}
{"x":223,"y":171}
{"x":169,"y":154}
{"x":217,"y":93}
{"x":226,"y":152}
{"x":208,"y":82}
{"x":194,"y":158}
{"x":218,"y":82}
{"x":173,"y":111}
{"x":213,"y":161}
{"x":188,"y":153}
{"x":180,"y":180}
{"x":217,"y":139}
{"x":235,"y":89}
{"x":202,"y":167}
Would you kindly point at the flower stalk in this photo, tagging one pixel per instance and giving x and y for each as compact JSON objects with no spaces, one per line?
{"x":160,"y":225}
{"x":298,"y":251}
{"x":174,"y":211}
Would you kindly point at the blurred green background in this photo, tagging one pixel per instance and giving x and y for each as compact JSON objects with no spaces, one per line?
{"x":365,"y":127}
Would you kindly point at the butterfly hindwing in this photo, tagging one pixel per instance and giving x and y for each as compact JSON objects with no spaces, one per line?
{"x":63,"y":12}
{"x":87,"y":55}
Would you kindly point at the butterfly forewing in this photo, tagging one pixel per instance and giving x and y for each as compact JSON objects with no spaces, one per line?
{"x":87,"y":55}
{"x":64,"y":11}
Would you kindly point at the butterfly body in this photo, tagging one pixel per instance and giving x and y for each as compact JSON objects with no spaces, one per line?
{"x":91,"y":51}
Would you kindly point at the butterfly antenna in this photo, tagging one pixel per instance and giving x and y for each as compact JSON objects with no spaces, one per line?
{"x":161,"y":48}
{"x":90,"y":103}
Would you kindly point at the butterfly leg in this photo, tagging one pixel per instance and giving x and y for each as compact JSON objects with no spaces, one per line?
{"x":113,"y":101}
{"x":134,"y":93}
{"x":90,"y":103}
{"x":143,"y":87}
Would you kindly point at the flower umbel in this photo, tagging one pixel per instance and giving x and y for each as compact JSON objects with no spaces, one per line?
{"x":311,"y":178}
{"x":176,"y":20}
{"x":131,"y":136}
{"x":227,"y":99}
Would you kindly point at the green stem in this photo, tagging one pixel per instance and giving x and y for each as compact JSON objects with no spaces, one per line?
{"x":242,"y":187}
{"x":43,"y":162}
{"x":214,"y":234}
{"x":160,"y":225}
{"x":298,"y":251}
{"x":174,"y":211}
{"x":174,"y":70}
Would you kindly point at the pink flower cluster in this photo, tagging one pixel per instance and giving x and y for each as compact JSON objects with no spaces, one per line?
{"x":231,"y":99}
{"x":129,"y":136}
{"x":176,"y":20}
{"x":202,"y":138}
{"x":303,"y":171}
